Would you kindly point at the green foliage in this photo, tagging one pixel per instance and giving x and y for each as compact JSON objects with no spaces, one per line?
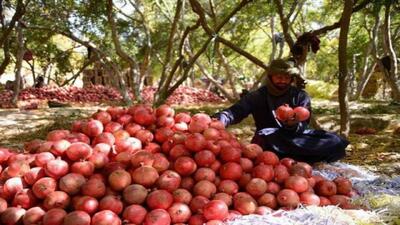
{"x":320,"y":89}
{"x":249,"y":29}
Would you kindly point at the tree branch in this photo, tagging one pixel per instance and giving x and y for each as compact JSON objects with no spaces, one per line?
{"x":134,"y":68}
{"x":19,"y":12}
{"x":86,"y":64}
{"x":284,"y":23}
{"x":162,"y":11}
{"x":168,"y":54}
{"x":336,"y":25}
{"x":204,"y":47}
{"x":212,"y":34}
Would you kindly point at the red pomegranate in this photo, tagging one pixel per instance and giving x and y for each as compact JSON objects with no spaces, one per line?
{"x":284,"y":112}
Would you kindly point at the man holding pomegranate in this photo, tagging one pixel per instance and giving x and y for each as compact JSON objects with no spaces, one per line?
{"x":281,"y":113}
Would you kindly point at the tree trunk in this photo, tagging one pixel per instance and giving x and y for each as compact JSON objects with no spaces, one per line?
{"x":343,"y":70}
{"x":6,"y":31}
{"x":229,"y":76}
{"x":391,"y":74}
{"x":134,"y":68}
{"x":18,"y":64}
{"x":203,"y":70}
{"x":145,"y":67}
{"x":19,"y":12}
{"x":167,"y":68}
{"x":32,"y":66}
{"x":76,"y":75}
{"x":215,"y":82}
{"x":166,"y":90}
{"x":7,"y":57}
{"x":370,"y":51}
{"x":273,"y":41}
{"x":284,"y":23}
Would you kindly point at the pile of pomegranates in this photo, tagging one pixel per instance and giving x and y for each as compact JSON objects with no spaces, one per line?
{"x":100,"y":93}
{"x":141,"y":165}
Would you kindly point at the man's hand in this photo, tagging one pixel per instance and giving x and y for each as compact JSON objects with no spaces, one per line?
{"x":291,"y":122}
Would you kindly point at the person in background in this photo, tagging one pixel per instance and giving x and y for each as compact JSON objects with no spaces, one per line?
{"x":291,"y":138}
{"x":39,"y":83}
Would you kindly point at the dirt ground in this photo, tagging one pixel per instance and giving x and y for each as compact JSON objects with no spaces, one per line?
{"x":379,"y":152}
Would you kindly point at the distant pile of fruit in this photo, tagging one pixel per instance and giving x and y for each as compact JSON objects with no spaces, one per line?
{"x":141,"y":165}
{"x":99,"y":93}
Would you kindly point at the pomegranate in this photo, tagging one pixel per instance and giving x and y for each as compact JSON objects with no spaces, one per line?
{"x":92,"y":128}
{"x":256,"y":187}
{"x":119,"y":179}
{"x":134,"y":214}
{"x":204,"y":158}
{"x":56,"y":168}
{"x":185,"y":166}
{"x":77,"y":218}
{"x":157,"y":217}
{"x":42,"y":158}
{"x":343,"y":185}
{"x":231,"y":171}
{"x":102,"y":116}
{"x":44,"y":186}
{"x":86,"y":203}
{"x":195,"y":142}
{"x":284,"y":112}
{"x":56,"y":199}
{"x":263,"y":171}
{"x":179,"y":212}
{"x":79,"y":151}
{"x":269,"y":200}
{"x":169,"y":180}
{"x":205,"y":188}
{"x":215,"y":210}
{"x":25,"y":199}
{"x":182,"y":195}
{"x":33,"y":175}
{"x":288,"y":198}
{"x":135,"y":194}
{"x":197,"y":203}
{"x":301,"y":113}
{"x":297,"y":183}
{"x":142,"y":158}
{"x":159,"y":199}
{"x":105,"y":137}
{"x":94,"y":188}
{"x":224,"y":197}
{"x":268,"y":158}
{"x":204,"y":174}
{"x":112,"y":203}
{"x":12,"y":215}
{"x":308,"y":198}
{"x":71,"y":183}
{"x":228,"y":186}
{"x":54,"y":217}
{"x":325,"y":188}
{"x":145,"y":175}
{"x":244,"y":203}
